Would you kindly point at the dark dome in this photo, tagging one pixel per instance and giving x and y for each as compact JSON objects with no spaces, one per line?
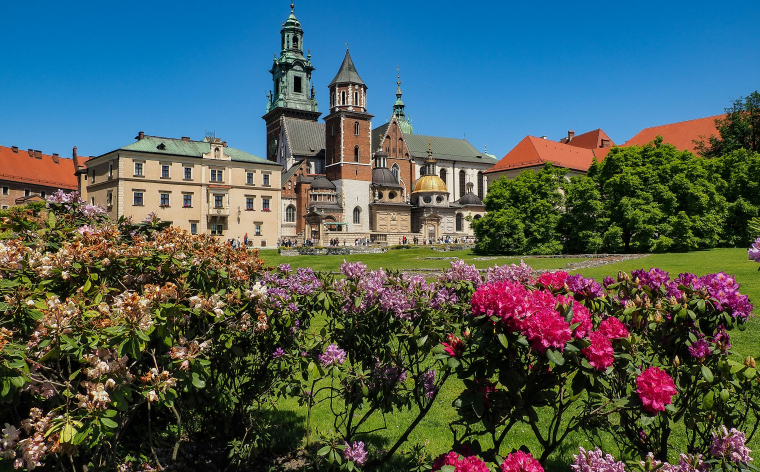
{"x":383,"y":177}
{"x":321,"y":183}
{"x":470,"y":199}
{"x":381,"y":153}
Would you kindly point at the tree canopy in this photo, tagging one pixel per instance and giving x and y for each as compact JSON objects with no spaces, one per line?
{"x":739,"y":129}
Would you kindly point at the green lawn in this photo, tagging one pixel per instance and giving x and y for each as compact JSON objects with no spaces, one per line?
{"x":435,"y":427}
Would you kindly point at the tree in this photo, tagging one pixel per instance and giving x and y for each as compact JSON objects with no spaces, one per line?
{"x":739,"y":129}
{"x":523,"y":214}
{"x":583,"y":219}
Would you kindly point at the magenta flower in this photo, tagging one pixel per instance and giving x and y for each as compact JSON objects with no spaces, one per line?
{"x":545,"y":329}
{"x":460,"y":271}
{"x":587,"y":288}
{"x":278,"y":353}
{"x":520,"y":462}
{"x":700,"y":349}
{"x":613,"y":328}
{"x":553,"y":280}
{"x":332,"y":356}
{"x":600,"y":353}
{"x":353,"y":270}
{"x":460,"y":463}
{"x":355,"y":453}
{"x":656,"y":389}
{"x":507,"y":300}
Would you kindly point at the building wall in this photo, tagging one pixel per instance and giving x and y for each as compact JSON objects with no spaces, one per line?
{"x":512,"y":173}
{"x":353,"y":194}
{"x":10,"y":191}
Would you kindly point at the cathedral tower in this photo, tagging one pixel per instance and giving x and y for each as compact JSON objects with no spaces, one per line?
{"x":293,"y":95}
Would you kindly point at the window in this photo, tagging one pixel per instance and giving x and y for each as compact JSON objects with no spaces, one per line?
{"x":356,"y":128}
{"x":265,"y":177}
{"x":164,"y":199}
{"x":265,"y":204}
{"x":6,"y":190}
{"x":356,"y":98}
{"x":193,"y":228}
{"x":164,"y":172}
{"x":297,"y":84}
{"x":93,"y":175}
{"x":216,"y":229}
{"x":110,"y":170}
{"x":422,"y":171}
{"x":391,"y":196}
{"x":333,"y":157}
{"x":218,"y":201}
{"x":27,"y":192}
{"x":343,"y":98}
{"x":427,"y":199}
{"x":395,"y":170}
{"x":332,"y":130}
{"x":5,"y":207}
{"x":442,"y":173}
{"x":85,"y":176}
{"x":187,"y":200}
{"x":258,"y":230}
{"x":295,"y":42}
{"x":461,"y":183}
{"x":460,"y":222}
{"x":480,"y":185}
{"x":249,"y":204}
{"x":43,"y":194}
{"x":92,"y":201}
{"x":290,"y":214}
{"x":357,"y":216}
{"x":356,"y":153}
{"x":249,"y":178}
{"x":216,"y":153}
{"x":217,"y":176}
{"x":109,"y":198}
{"x":138,"y":169}
{"x":188,"y":173}
{"x":138,"y":199}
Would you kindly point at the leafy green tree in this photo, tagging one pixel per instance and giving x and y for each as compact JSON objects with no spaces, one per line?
{"x":523,"y":214}
{"x":584,"y":217}
{"x":739,"y":129}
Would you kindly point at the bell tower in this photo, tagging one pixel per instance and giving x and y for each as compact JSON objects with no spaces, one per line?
{"x":292,"y":94}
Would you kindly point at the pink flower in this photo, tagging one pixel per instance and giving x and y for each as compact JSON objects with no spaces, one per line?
{"x":507,"y":300}
{"x":553,"y":280}
{"x":545,"y":329}
{"x":613,"y":328}
{"x":656,"y":389}
{"x":454,"y":346}
{"x":600,"y":353}
{"x":581,"y":315}
{"x":451,"y":458}
{"x":460,"y":463}
{"x":520,"y":462}
{"x":355,"y":452}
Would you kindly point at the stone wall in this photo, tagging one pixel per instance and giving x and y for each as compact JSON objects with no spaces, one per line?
{"x":332,"y":251}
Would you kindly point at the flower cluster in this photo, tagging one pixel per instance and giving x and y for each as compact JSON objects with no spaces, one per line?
{"x":656,"y":389}
{"x":587,"y":288}
{"x":355,"y":452}
{"x":353,"y":270}
{"x":460,"y":271}
{"x":600,"y":353}
{"x":520,"y":461}
{"x":552,"y":280}
{"x":460,"y":463}
{"x":730,"y":445}
{"x":722,"y":288}
{"x":332,"y":356}
{"x":596,"y":461}
{"x":754,"y":251}
{"x":510,"y":273}
{"x":427,"y":379}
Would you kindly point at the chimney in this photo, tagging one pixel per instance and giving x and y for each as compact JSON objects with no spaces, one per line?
{"x":570,"y":135}
{"x":185,"y":138}
{"x":31,"y":153}
{"x":74,"y":152}
{"x":140,"y":135}
{"x":55,"y":157}
{"x":37,"y":154}
{"x":544,"y":137}
{"x":14,"y":149}
{"x":224,"y":143}
{"x":605,"y":143}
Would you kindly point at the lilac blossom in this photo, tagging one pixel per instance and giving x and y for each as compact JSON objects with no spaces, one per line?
{"x":332,"y":355}
{"x":510,"y":273}
{"x":596,"y":461}
{"x":754,"y":251}
{"x":700,"y":349}
{"x":279,"y":352}
{"x":588,"y":288}
{"x":355,"y":453}
{"x":427,"y":379}
{"x":461,"y":272}
{"x":730,"y":445}
{"x":353,"y":270}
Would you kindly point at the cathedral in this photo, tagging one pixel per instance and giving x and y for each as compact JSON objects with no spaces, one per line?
{"x":344,"y":180}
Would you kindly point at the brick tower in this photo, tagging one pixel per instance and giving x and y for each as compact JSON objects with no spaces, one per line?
{"x":348,"y":153}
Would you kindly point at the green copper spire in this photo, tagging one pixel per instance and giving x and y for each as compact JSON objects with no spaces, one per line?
{"x":398,"y":109}
{"x":291,"y":71}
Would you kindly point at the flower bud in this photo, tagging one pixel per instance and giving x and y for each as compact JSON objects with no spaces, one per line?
{"x":676,"y":361}
{"x":747,"y":361}
{"x":466,"y":333}
{"x":673,"y":300}
{"x":637,"y":300}
{"x":658,"y":318}
{"x":658,"y":305}
{"x":752,"y":363}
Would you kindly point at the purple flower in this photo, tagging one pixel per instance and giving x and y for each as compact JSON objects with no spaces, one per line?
{"x":700,"y":349}
{"x":689,"y":280}
{"x":608,"y":281}
{"x":427,"y":379}
{"x":389,"y":374}
{"x":353,"y":270}
{"x":510,"y":273}
{"x":754,"y":251}
{"x":285,"y":268}
{"x":596,"y":461}
{"x":722,"y":339}
{"x":293,"y":307}
{"x":395,"y":300}
{"x":333,"y":355}
{"x":654,"y":278}
{"x":461,"y":272}
{"x":355,"y":453}
{"x":587,"y":288}
{"x":730,"y":445}
{"x":443,"y":297}
{"x":90,"y":211}
{"x":278,"y":353}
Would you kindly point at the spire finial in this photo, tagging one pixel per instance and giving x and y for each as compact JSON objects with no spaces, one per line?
{"x":398,"y":72}
{"x":346,"y":46}
{"x":430,"y":147}
{"x":293,"y":7}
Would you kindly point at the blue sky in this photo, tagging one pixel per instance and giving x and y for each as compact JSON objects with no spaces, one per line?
{"x":93,"y":74}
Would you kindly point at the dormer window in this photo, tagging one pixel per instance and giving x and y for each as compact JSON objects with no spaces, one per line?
{"x":161,"y":147}
{"x":216,"y":153}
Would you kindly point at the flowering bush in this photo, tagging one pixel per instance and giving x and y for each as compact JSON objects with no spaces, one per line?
{"x":119,"y":342}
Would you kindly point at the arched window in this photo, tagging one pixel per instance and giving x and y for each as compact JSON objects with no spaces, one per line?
{"x":461,"y":183}
{"x":357,"y":216}
{"x":356,"y":153}
{"x":480,"y":185}
{"x":356,"y":128}
{"x":290,"y":214}
{"x":443,"y":175}
{"x":343,"y":97}
{"x":356,"y":98}
{"x":460,"y":222}
{"x":295,"y":42}
{"x":395,"y":169}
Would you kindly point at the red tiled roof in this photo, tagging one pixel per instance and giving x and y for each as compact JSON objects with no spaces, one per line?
{"x":44,"y":171}
{"x":680,"y":135}
{"x":591,"y":140}
{"x":532,"y":152}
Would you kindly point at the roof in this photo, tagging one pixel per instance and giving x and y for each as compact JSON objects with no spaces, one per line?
{"x":287,"y":175}
{"x":347,"y":73}
{"x":680,"y":135}
{"x":470,"y":199}
{"x":321,"y":183}
{"x":533,"y":151}
{"x":181,"y":147}
{"x":42,"y":170}
{"x":305,"y":138}
{"x":446,"y":149}
{"x":429,"y":183}
{"x":591,"y":140}
{"x":383,"y":177}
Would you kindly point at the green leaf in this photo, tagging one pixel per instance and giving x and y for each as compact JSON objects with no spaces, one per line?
{"x":421,"y":341}
{"x":709,"y":400}
{"x":503,"y":340}
{"x":323,"y":451}
{"x":67,"y":436}
{"x":197,"y":381}
{"x":707,"y":374}
{"x":555,"y":356}
{"x":724,"y":395}
{"x":750,"y":373}
{"x":109,"y":423}
{"x":448,"y":468}
{"x":453,"y":363}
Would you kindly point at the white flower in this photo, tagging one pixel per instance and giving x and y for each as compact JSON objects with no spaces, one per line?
{"x":10,"y":436}
{"x":258,"y":290}
{"x":152,"y":397}
{"x":30,"y":303}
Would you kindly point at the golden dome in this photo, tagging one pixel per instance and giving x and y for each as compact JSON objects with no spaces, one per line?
{"x":430,"y":183}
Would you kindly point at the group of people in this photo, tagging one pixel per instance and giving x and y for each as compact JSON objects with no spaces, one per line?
{"x":334,"y":242}
{"x":236,"y":243}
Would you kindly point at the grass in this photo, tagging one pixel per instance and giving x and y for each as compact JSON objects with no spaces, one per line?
{"x":434,"y":429}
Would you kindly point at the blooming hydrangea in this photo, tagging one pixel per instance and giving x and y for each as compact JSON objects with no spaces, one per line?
{"x":655,"y":389}
{"x":587,"y":288}
{"x":510,"y":273}
{"x":460,"y":463}
{"x":600,"y":353}
{"x":730,"y":445}
{"x":596,"y":461}
{"x":754,"y":251}
{"x":553,"y":280}
{"x":355,"y":452}
{"x":700,"y":349}
{"x":460,"y":271}
{"x":520,"y":461}
{"x":613,"y":328}
{"x":332,"y":355}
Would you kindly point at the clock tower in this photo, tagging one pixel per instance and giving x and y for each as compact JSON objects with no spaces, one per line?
{"x":293,"y":95}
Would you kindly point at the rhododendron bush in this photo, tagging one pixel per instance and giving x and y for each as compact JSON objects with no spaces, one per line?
{"x":121,"y":342}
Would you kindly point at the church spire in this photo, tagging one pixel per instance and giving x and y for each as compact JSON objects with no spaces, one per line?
{"x":398,"y":108}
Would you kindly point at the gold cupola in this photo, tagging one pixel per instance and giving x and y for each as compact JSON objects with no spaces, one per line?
{"x":430,"y":182}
